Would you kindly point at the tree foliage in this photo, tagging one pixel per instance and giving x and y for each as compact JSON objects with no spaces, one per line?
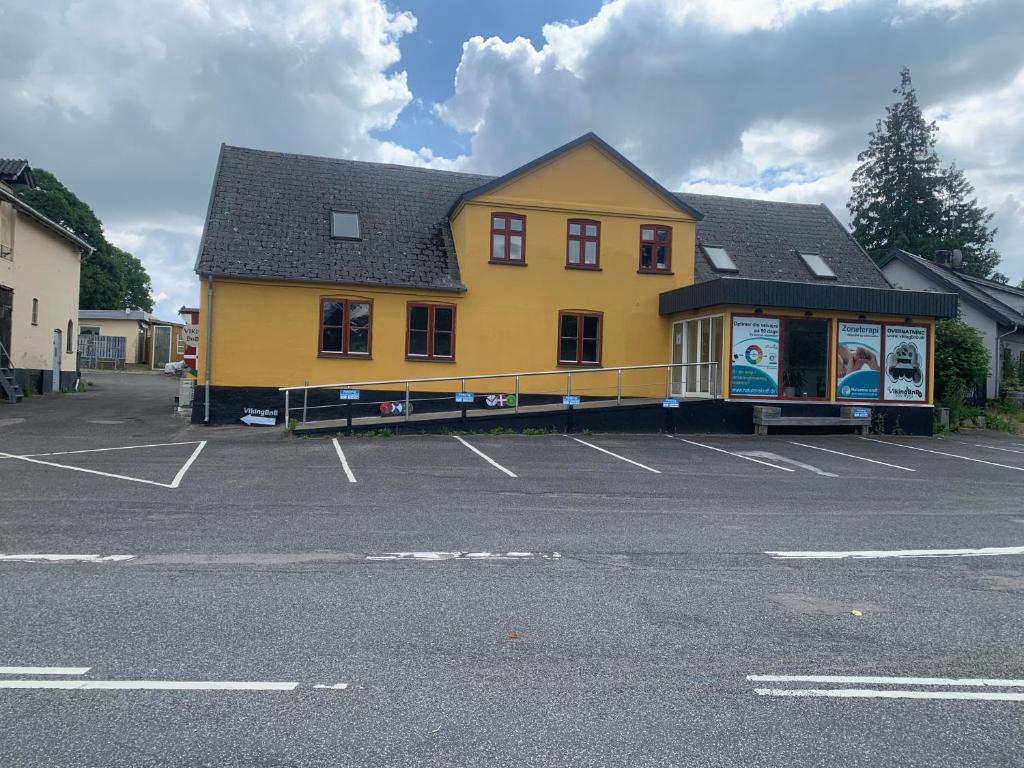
{"x":903,"y":197}
{"x":111,"y":278}
{"x":961,"y":360}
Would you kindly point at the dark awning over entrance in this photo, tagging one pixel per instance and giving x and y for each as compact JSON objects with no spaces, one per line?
{"x":818,"y":296}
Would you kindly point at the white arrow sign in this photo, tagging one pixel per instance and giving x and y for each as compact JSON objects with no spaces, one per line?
{"x":263,"y":421}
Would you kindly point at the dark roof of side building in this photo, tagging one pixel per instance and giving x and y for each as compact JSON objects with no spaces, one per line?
{"x":956,"y":282}
{"x":16,"y":172}
{"x":993,"y":285}
{"x":269,"y":218}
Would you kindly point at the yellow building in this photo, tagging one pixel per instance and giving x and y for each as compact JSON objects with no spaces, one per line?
{"x":332,"y":272}
{"x":39,"y":276}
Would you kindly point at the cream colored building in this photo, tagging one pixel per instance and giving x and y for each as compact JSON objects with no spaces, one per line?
{"x":39,"y":278}
{"x":148,"y":340}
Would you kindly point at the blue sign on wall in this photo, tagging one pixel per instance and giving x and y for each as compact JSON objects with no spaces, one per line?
{"x":862,"y":413}
{"x":669,"y":402}
{"x":570,"y":399}
{"x":464,"y":397}
{"x":349,"y":394}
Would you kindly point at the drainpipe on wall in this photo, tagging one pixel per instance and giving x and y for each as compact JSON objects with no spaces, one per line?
{"x":209,"y":345}
{"x":999,"y":354}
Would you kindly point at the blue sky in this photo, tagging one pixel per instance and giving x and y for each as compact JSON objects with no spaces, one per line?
{"x":128,"y":101}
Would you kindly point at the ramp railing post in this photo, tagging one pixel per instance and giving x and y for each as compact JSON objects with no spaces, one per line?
{"x":305,"y":402}
{"x":618,"y":386}
{"x":407,"y":386}
{"x":517,"y":395}
{"x":287,"y":411}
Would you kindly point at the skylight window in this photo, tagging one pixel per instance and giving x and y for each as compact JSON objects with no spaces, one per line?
{"x":817,"y":265}
{"x":345,"y":225}
{"x":720,"y":259}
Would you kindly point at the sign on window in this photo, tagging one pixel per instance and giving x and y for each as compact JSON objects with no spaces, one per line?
{"x":858,"y":361}
{"x":906,"y":363}
{"x":755,"y":357}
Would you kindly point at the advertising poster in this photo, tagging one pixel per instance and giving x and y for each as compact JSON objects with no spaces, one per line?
{"x":906,"y":365}
{"x":858,"y":361}
{"x":755,"y":357}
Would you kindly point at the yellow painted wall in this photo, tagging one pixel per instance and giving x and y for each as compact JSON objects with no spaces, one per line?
{"x":129,"y":329}
{"x":266,"y":333}
{"x":46,"y":267}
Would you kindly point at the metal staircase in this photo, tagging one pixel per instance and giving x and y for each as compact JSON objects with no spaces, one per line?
{"x":8,"y":383}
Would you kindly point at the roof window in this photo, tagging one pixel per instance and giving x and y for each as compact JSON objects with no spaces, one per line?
{"x":345,"y":225}
{"x":720,"y":259}
{"x":817,"y":265}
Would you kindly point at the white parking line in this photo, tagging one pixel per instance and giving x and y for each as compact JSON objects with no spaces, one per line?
{"x":43,"y":670}
{"x":65,"y":558}
{"x":184,"y":468}
{"x":880,"y":680}
{"x":995,"y":448}
{"x":622,"y":458}
{"x":485,"y":457}
{"x":787,"y":460}
{"x":862,"y":693}
{"x":150,"y":685}
{"x":436,"y":556}
{"x":99,"y":450}
{"x":731,"y":453}
{"x":942,"y":453}
{"x":851,"y":456}
{"x":876,"y":554}
{"x":344,"y":461}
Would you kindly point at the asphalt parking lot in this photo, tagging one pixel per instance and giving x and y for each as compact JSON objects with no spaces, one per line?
{"x":502,"y":599}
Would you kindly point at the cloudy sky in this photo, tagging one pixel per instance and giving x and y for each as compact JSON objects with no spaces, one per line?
{"x":128,"y":101}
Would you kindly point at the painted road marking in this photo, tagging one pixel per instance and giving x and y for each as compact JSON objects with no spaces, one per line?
{"x":335,"y":687}
{"x":44,"y":670}
{"x":99,"y":450}
{"x":623,"y":458}
{"x":787,"y":460}
{"x":173,"y":484}
{"x":869,"y":554}
{"x":435,"y":556}
{"x":851,"y":456}
{"x":150,"y":685}
{"x":879,"y":680}
{"x":994,"y":448}
{"x":66,"y":558}
{"x":344,"y":461}
{"x":485,"y":457}
{"x":942,"y":453}
{"x":862,"y":693}
{"x":731,"y":453}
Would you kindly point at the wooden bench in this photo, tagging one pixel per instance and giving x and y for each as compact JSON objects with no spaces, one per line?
{"x":771,"y":416}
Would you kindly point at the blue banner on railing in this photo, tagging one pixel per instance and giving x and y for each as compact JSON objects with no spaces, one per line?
{"x":349,"y":394}
{"x":570,"y":399}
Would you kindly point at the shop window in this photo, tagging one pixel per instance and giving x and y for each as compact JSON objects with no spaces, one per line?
{"x":579,"y":338}
{"x":805,"y":358}
{"x":655,"y":248}
{"x":583,"y":249}
{"x":508,"y":238}
{"x":345,"y":327}
{"x":431,"y":332}
{"x":720,"y":259}
{"x":345,"y":225}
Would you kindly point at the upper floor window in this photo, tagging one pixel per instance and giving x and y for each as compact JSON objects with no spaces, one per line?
{"x":579,"y":338}
{"x":431,"y":333}
{"x":655,"y":248}
{"x":345,"y":326}
{"x":35,"y":311}
{"x":720,"y":259}
{"x":345,"y":225}
{"x":818,"y":266}
{"x":508,"y":238}
{"x":70,"y":337}
{"x":584,"y":244}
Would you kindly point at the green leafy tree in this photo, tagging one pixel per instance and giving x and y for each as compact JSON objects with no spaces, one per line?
{"x":903,"y":198}
{"x":961,"y":361}
{"x":110,"y":278}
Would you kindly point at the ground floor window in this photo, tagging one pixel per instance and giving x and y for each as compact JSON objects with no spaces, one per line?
{"x":431,"y":332}
{"x":805,"y":356}
{"x":345,"y":326}
{"x":579,"y":338}
{"x":697,"y":343}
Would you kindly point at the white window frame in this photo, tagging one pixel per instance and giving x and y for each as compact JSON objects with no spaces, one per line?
{"x":680,"y":377}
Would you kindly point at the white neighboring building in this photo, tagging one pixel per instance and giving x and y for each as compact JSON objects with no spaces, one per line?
{"x":995,"y":310}
{"x":40,"y":263}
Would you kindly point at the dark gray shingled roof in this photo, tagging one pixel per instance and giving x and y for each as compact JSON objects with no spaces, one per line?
{"x":763,"y":238}
{"x":15,"y":172}
{"x":270,"y":212}
{"x":967,"y":289}
{"x":269,"y":218}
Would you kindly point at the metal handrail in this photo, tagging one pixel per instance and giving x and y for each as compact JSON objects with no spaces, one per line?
{"x":713,"y":383}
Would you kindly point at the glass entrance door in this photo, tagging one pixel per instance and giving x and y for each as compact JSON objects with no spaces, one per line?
{"x":698,"y":343}
{"x":161,"y":346}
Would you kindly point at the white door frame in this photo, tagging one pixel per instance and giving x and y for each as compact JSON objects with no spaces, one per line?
{"x":687,"y":374}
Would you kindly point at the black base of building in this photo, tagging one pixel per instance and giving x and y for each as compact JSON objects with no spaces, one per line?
{"x":229,"y":405}
{"x":37,"y":381}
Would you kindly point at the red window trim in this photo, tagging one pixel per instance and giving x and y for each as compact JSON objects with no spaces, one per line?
{"x":430,"y":356}
{"x":654,"y":268}
{"x":582,"y":238}
{"x":579,"y":314}
{"x":321,"y":352}
{"x":507,"y":233}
